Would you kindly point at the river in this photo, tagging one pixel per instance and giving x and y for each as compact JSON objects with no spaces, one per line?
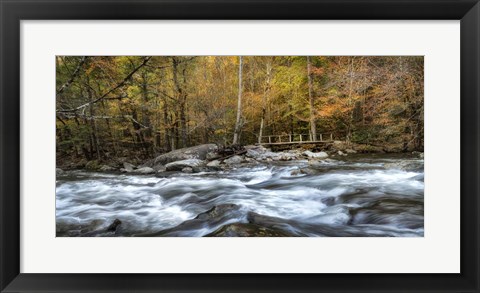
{"x":355,"y":196}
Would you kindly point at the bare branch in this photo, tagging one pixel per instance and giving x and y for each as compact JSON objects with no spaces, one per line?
{"x":74,"y":75}
{"x":119,"y":85}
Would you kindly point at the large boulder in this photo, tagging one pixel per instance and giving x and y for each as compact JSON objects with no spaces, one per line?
{"x":180,"y":165}
{"x":198,"y":152}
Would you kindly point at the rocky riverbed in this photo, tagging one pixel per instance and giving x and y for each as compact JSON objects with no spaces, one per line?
{"x":252,"y":192}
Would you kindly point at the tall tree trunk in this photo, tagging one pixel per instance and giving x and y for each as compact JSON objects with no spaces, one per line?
{"x":94,"y":132}
{"x":350,"y":102}
{"x":145,"y":114}
{"x":266,"y":92}
{"x":182,"y":99}
{"x":313,"y":126}
{"x":238,"y":122}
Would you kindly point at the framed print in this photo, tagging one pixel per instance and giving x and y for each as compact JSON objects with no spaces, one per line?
{"x":196,"y":146}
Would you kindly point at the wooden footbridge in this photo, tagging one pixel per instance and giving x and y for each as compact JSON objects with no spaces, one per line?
{"x":288,"y":139}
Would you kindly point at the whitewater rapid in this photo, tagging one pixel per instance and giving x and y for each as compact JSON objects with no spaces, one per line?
{"x":358,"y":197}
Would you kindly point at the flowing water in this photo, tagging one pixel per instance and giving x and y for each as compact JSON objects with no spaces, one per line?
{"x":355,"y":196}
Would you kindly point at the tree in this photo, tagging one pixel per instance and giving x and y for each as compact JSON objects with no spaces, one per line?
{"x":238,"y":121}
{"x":266,"y":91}
{"x":313,"y":126}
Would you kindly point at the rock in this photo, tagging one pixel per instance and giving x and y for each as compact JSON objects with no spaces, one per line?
{"x":196,"y":152}
{"x":255,"y":151}
{"x":212,"y":156}
{"x":214,"y":164}
{"x":350,"y":151}
{"x":179,"y":165}
{"x":320,"y":155}
{"x":340,"y":153}
{"x":287,"y":156}
{"x":328,"y":201}
{"x":297,"y":172}
{"x":148,"y":163}
{"x":113,"y":227}
{"x":128,"y":167}
{"x":233,"y":160}
{"x":187,"y":170}
{"x":217,"y":211}
{"x":247,"y":230}
{"x":107,"y":168}
{"x":210,"y":219}
{"x":59,"y":171}
{"x":92,"y":165}
{"x":421,"y":155}
{"x":416,"y":166}
{"x":145,"y":170}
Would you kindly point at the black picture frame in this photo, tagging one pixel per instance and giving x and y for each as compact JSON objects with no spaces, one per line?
{"x":13,"y":11}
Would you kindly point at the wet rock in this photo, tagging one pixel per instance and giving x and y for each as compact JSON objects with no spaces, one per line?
{"x":416,"y":166}
{"x":159,"y":168}
{"x":328,"y":201}
{"x":255,"y":151}
{"x":233,"y":160}
{"x":247,"y":230}
{"x":196,"y":152}
{"x":340,"y":153}
{"x":214,"y":164}
{"x":179,"y":165}
{"x":113,"y":226}
{"x":319,"y":155}
{"x":59,"y":171}
{"x":187,"y":170}
{"x":288,"y":156}
{"x":216,"y":211}
{"x":107,"y":168}
{"x":298,"y":172}
{"x":145,"y":170}
{"x":128,"y":167}
{"x":212,"y":156}
{"x":210,"y":219}
{"x":350,"y":151}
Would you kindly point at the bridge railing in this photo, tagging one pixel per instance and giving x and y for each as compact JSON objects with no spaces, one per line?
{"x":296,"y":138}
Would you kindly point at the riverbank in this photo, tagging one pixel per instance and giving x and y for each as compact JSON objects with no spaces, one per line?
{"x":211,"y":157}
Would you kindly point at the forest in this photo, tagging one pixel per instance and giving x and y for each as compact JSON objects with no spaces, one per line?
{"x":141,"y":106}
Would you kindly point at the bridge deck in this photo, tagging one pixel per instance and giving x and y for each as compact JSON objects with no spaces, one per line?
{"x":287,"y":139}
{"x":296,"y":142}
